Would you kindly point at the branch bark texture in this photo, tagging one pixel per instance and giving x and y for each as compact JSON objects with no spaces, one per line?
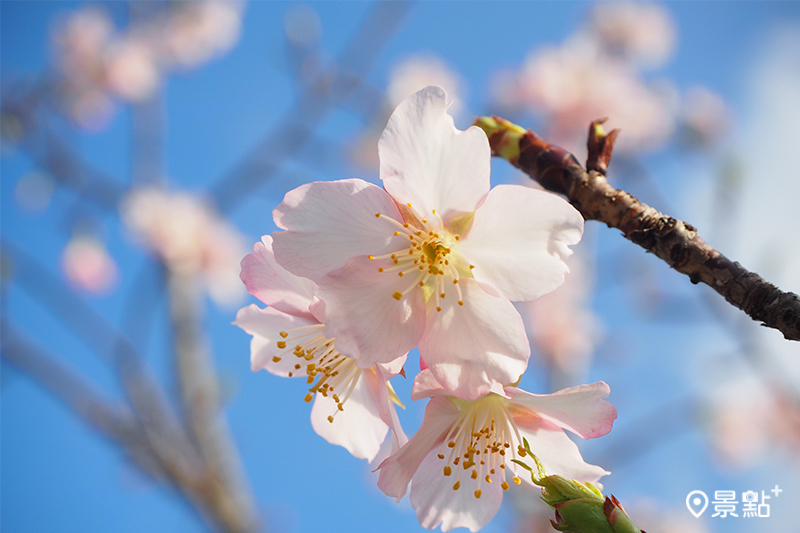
{"x":670,"y":239}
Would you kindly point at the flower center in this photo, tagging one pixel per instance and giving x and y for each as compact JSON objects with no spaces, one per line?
{"x":329,"y":371}
{"x":430,"y":261}
{"x":483,"y":439}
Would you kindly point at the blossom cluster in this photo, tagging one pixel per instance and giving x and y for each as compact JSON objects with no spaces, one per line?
{"x":100,"y":63}
{"x":602,"y":71}
{"x":189,"y":236}
{"x":359,"y":275}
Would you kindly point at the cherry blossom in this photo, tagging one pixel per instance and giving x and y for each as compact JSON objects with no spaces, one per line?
{"x":460,"y":462}
{"x":433,"y":259}
{"x":353,"y":406}
{"x":88,"y":265}
{"x":190,"y":237}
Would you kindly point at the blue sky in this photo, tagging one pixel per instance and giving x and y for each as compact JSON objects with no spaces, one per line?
{"x":59,"y":476}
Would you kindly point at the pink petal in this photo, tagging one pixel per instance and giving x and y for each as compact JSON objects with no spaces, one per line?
{"x":379,"y":387}
{"x":327,"y":223}
{"x":359,"y":428}
{"x":427,"y":162}
{"x":436,"y":502}
{"x":519,"y":240}
{"x":471,"y":348}
{"x":396,"y":471}
{"x":580,"y":409}
{"x":557,"y":453}
{"x":426,"y":386}
{"x":265,"y":326}
{"x":368,"y":323}
{"x":274,"y":285}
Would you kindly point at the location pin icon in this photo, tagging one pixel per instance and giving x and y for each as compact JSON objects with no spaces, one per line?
{"x":697,"y":501}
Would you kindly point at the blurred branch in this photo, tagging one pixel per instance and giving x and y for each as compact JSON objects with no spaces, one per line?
{"x":672,"y":240}
{"x":329,"y":90}
{"x":39,"y":139}
{"x":115,"y":422}
{"x":201,"y":404}
{"x":170,"y":452}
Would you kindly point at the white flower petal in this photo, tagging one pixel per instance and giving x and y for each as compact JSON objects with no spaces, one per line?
{"x":274,"y":285}
{"x":557,"y":453}
{"x":427,"y":162}
{"x":265,"y":326}
{"x":436,"y":502}
{"x":580,"y":409}
{"x":471,"y":348}
{"x":368,"y":323}
{"x":327,"y":223}
{"x":359,"y":428}
{"x":396,"y":471}
{"x":519,"y":240}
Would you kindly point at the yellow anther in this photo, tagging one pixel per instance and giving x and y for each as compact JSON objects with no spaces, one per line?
{"x":397,"y":295}
{"x":474,"y":474}
{"x":424,"y":220}
{"x":284,"y":334}
{"x":488,"y":479}
{"x":458,"y":238}
{"x":504,"y":484}
{"x":441,"y":295}
{"x":281,"y":344}
{"x":421,"y":284}
{"x":478,"y":494}
{"x":455,"y":281}
{"x":439,"y":309}
{"x":309,"y":397}
{"x":460,"y":302}
{"x":330,"y":419}
{"x":471,"y":267}
{"x":275,"y":359}
{"x":440,"y":456}
{"x":400,"y":274}
{"x":447,"y":471}
{"x":371,"y":257}
{"x":297,"y":367}
{"x":451,"y":444}
{"x":457,"y":485}
{"x":290,"y":374}
{"x":310,"y":380}
{"x":517,"y":480}
{"x":409,"y":204}
{"x":396,"y":233}
{"x":380,"y":269}
{"x":377,"y":215}
{"x":341,"y":407}
{"x":434,"y":211}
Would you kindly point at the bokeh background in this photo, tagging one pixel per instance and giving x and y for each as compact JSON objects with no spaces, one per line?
{"x":145,"y":144}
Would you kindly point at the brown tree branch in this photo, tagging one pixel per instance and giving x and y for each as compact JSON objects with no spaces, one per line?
{"x":672,"y":240}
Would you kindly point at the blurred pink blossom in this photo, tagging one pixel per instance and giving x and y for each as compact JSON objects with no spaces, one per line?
{"x":561,"y":325}
{"x":190,"y":237}
{"x":573,"y":84}
{"x":88,"y":265}
{"x":748,"y":418}
{"x":99,"y":63}
{"x":705,"y":115}
{"x":643,"y":33}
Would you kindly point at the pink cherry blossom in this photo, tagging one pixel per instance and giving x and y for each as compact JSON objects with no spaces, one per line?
{"x":88,"y":265}
{"x":434,"y":258}
{"x":189,"y":236}
{"x":353,"y":406}
{"x":459,"y":463}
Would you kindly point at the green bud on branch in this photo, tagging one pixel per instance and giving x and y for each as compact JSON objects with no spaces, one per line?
{"x":580,"y":507}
